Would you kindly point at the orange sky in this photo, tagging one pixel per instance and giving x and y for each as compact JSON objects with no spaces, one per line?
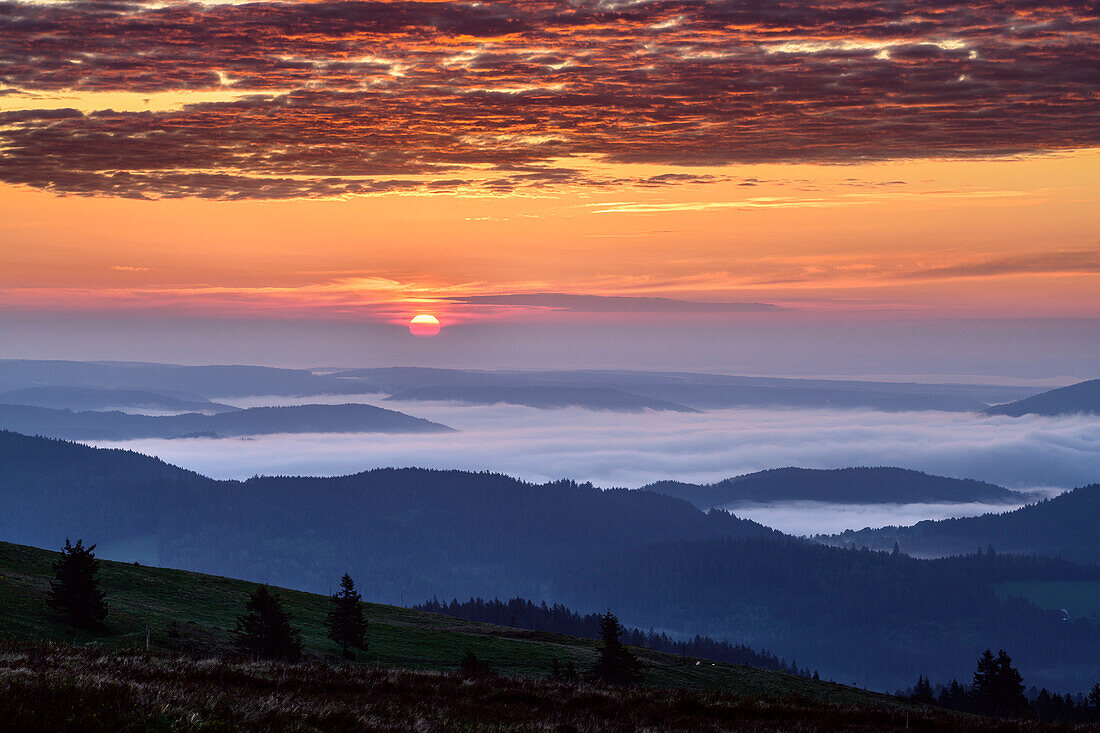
{"x":1021,"y":234}
{"x":359,"y":162}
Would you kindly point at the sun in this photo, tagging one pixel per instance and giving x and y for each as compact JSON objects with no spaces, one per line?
{"x":424,"y":325}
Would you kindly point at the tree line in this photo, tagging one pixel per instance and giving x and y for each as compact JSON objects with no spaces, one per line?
{"x":557,"y":619}
{"x":997,"y":690}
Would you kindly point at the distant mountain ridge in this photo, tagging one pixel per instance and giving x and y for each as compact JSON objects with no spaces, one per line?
{"x":543,"y":397}
{"x":114,"y":425}
{"x":857,"y":485}
{"x":91,"y":398}
{"x":698,"y":391}
{"x":1083,"y":397}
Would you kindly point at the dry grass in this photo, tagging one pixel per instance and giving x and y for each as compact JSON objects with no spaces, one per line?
{"x":56,"y":687}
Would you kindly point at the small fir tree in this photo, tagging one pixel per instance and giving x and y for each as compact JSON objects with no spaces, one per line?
{"x":265,"y":631}
{"x":346,"y":625}
{"x":922,"y":691}
{"x":1094,"y":695}
{"x":616,"y":663}
{"x":75,"y":591}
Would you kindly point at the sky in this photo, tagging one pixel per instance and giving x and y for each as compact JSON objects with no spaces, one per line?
{"x":855,"y":187}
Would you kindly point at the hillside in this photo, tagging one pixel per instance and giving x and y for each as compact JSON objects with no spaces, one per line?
{"x":1083,"y":397}
{"x":110,"y":682}
{"x":193,"y":612}
{"x":411,"y":532}
{"x":92,"y":425}
{"x":876,"y":485}
{"x":1064,"y":526}
{"x":544,"y":397}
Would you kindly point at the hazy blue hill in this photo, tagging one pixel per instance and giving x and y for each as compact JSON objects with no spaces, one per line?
{"x":1083,"y":397}
{"x":701,"y":391}
{"x":114,"y":425}
{"x":91,"y":398}
{"x":411,"y":532}
{"x":860,"y":485}
{"x":592,"y":398}
{"x":171,"y":379}
{"x":1065,"y":526}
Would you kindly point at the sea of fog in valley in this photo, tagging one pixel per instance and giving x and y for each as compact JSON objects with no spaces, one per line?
{"x":613,"y":449}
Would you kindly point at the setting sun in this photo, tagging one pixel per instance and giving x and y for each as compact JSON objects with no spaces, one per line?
{"x":424,"y":325}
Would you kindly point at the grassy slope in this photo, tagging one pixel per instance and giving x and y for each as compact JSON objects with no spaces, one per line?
{"x":205,"y":608}
{"x":108,"y":682}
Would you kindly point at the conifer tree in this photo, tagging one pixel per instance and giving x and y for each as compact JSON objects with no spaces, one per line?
{"x":616,"y":663}
{"x":922,"y":691}
{"x":346,"y":625}
{"x":998,"y":688}
{"x":1094,"y":695}
{"x":75,"y":592}
{"x":265,"y":630}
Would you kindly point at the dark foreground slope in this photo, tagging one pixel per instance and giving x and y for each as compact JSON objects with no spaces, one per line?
{"x":862,"y":485}
{"x":47,"y":688}
{"x":91,"y":425}
{"x":1083,"y":397}
{"x":1064,"y":526}
{"x":186,"y":681}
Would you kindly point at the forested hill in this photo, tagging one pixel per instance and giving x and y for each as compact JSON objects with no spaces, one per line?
{"x":90,"y":425}
{"x":1083,"y":397}
{"x":872,"y":617}
{"x":843,"y":485}
{"x":1065,"y":526}
{"x":406,"y":532}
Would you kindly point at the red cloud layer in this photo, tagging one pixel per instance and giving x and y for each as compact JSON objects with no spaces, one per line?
{"x":437,"y":89}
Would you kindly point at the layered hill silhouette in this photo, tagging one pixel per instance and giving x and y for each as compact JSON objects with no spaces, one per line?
{"x":874,"y":618}
{"x":859,"y":485}
{"x":1064,"y":526}
{"x":1083,"y":397}
{"x":91,"y":398}
{"x":115,"y":425}
{"x":685,"y":389}
{"x":543,"y":397}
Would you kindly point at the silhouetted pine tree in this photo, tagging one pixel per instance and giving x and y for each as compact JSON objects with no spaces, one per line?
{"x":922,"y":691}
{"x":1094,"y":695}
{"x":998,"y":688}
{"x":265,"y":630}
{"x":616,"y":663}
{"x":346,"y":625}
{"x":75,"y":592}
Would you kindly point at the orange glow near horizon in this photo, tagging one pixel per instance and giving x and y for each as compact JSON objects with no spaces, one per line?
{"x":944,"y":244}
{"x":518,"y":162}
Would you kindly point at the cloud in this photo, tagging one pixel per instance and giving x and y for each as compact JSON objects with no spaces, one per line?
{"x":610,"y":449}
{"x":342,"y":98}
{"x":614,"y":304}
